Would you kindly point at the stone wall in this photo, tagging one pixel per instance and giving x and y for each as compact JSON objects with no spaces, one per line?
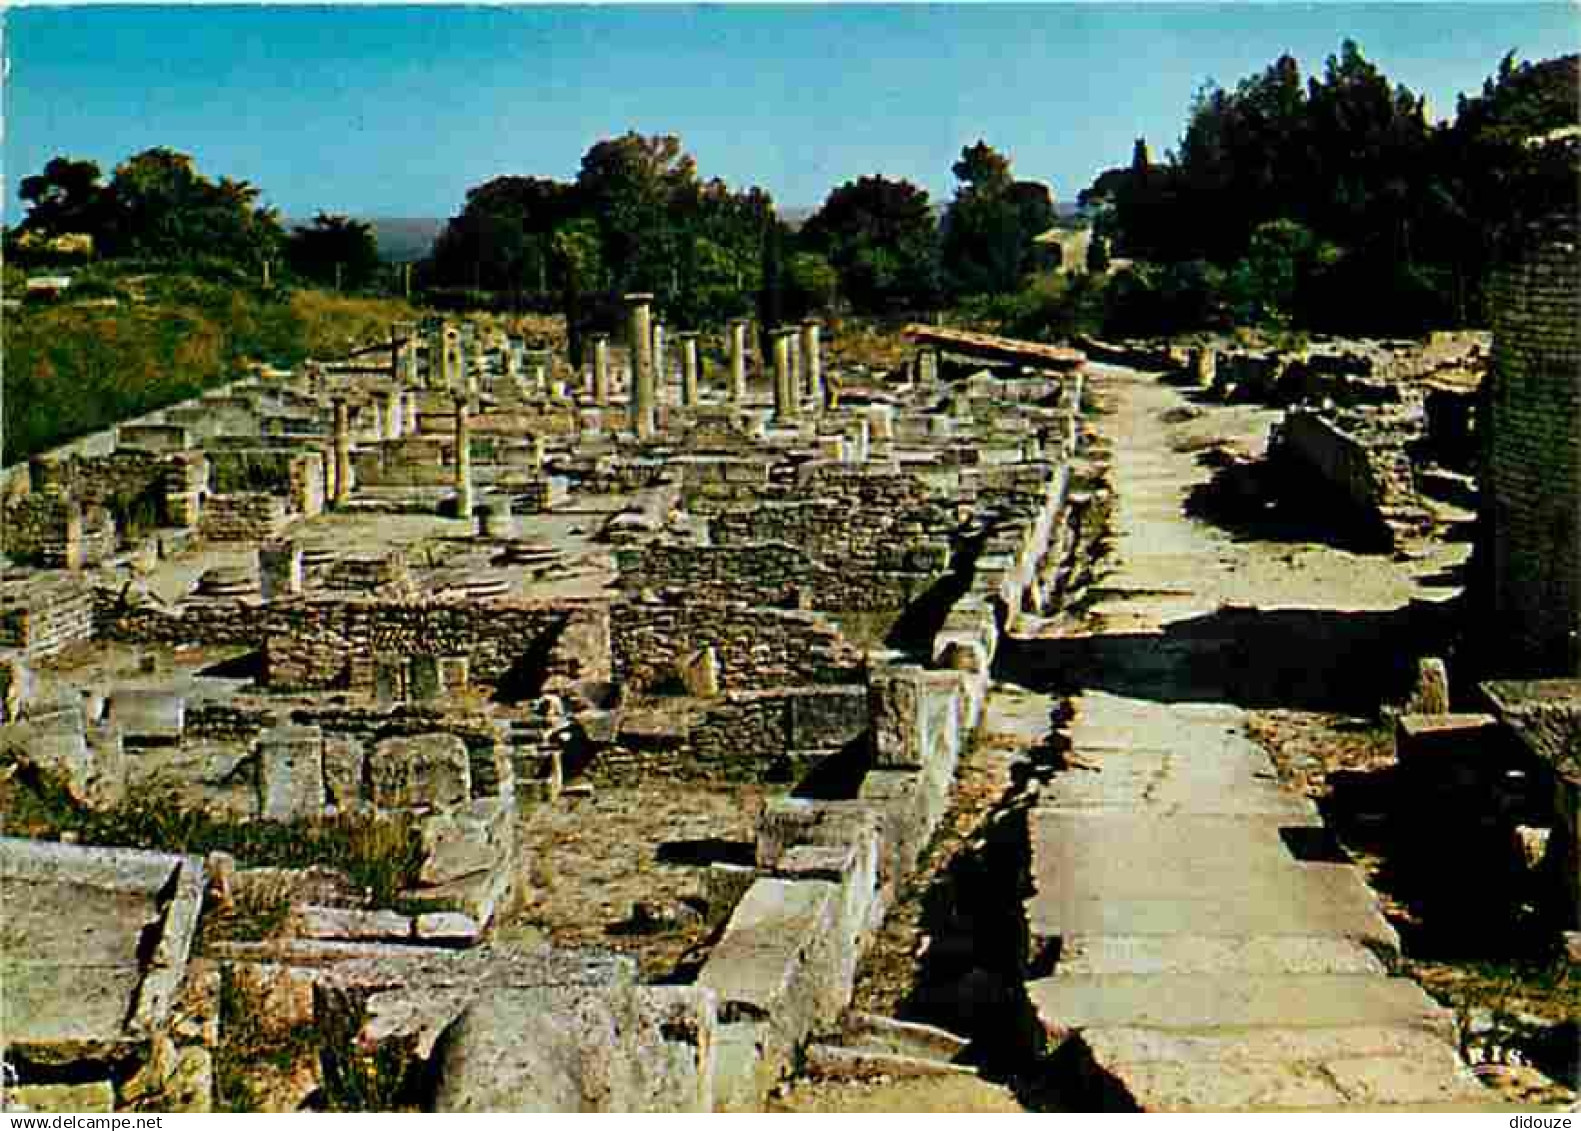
{"x":43,"y":616}
{"x":758,"y":648}
{"x":1532,"y":483}
{"x":56,"y":533}
{"x":315,"y":644}
{"x":247,"y":516}
{"x":744,"y":736}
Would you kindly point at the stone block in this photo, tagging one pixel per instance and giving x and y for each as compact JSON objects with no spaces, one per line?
{"x":148,"y":715}
{"x":448,"y":927}
{"x":1462,"y":750}
{"x":422,"y":771}
{"x":463,"y":843}
{"x":349,"y":924}
{"x":580,"y":1049}
{"x":344,"y":759}
{"x":894,"y":701}
{"x":291,"y":773}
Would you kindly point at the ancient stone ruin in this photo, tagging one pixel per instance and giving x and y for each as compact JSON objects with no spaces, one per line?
{"x":379,"y":627}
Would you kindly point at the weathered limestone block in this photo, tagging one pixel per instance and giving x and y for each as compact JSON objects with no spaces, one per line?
{"x":576,"y":1049}
{"x":463,"y":843}
{"x":97,"y":945}
{"x":894,"y":699}
{"x":92,"y":1098}
{"x":343,"y":765}
{"x":772,"y":968}
{"x":423,"y":771}
{"x":348,"y":923}
{"x":291,"y":773}
{"x":148,"y":715}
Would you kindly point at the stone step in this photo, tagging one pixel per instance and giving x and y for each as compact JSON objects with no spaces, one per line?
{"x":1085,"y":955}
{"x":1067,"y":1006}
{"x":1183,"y":1086}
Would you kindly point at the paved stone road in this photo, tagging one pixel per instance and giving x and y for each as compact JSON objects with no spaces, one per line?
{"x":1215,"y":950}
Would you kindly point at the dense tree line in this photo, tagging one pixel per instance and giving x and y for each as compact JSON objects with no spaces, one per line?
{"x":1335,"y":202}
{"x":638,"y":217}
{"x":158,"y":207}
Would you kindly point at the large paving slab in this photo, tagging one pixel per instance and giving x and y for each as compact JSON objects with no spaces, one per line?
{"x":1213,"y":950}
{"x":1137,"y":873}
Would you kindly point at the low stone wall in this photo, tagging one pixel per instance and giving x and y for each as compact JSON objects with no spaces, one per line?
{"x":828,"y":871}
{"x":757,"y":648}
{"x":46,"y":615}
{"x":1374,"y":481}
{"x":313,"y":644}
{"x":747,"y":736}
{"x":56,"y":533}
{"x":247,"y":516}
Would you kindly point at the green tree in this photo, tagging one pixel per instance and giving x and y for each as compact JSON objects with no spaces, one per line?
{"x":990,"y":225}
{"x":67,"y":197}
{"x":160,"y":206}
{"x":334,"y":251}
{"x":881,"y":239}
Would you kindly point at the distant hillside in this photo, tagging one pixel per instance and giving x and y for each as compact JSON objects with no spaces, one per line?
{"x":402,"y":239}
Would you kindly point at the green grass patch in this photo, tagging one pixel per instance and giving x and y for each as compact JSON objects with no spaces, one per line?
{"x":379,"y":853}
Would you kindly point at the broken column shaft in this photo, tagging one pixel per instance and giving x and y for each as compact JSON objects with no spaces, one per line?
{"x":784,"y":389}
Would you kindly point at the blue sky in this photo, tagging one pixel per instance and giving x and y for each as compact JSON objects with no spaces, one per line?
{"x":397,"y":111}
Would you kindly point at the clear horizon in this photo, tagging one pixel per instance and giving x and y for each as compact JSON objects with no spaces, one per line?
{"x":398,"y":111}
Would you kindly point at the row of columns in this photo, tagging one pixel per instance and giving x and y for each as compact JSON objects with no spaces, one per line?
{"x":797,"y":364}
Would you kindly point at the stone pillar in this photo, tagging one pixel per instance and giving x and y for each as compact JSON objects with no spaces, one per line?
{"x":461,"y":381}
{"x":342,"y":492}
{"x":74,"y":550}
{"x":394,"y":418}
{"x":738,"y":360}
{"x":641,"y":341}
{"x":689,"y":370}
{"x":661,"y":374}
{"x":882,"y":419}
{"x":279,"y":570}
{"x":409,"y":411}
{"x":795,"y":364}
{"x":438,"y":363}
{"x":601,"y":369}
{"x":812,"y":360}
{"x":407,"y":332}
{"x":513,"y":359}
{"x":784,"y":391}
{"x":463,"y":459}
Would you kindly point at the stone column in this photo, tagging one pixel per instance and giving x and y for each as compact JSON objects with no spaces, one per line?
{"x":396,"y":345}
{"x":812,"y":361}
{"x":461,"y":380}
{"x":73,"y":549}
{"x":795,"y":363}
{"x":601,"y":369}
{"x":660,"y":356}
{"x":438,"y":360}
{"x":463,"y":459}
{"x":408,"y":332}
{"x":641,"y":342}
{"x":393,"y":417}
{"x":342,"y":492}
{"x":927,"y":367}
{"x":689,"y":369}
{"x":784,"y":391}
{"x":738,"y":360}
{"x":409,"y":409}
